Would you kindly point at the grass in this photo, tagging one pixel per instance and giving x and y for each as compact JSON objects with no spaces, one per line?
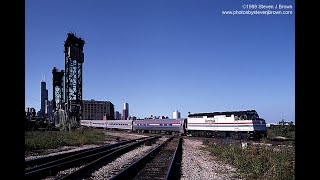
{"x":36,"y":140}
{"x":256,"y":162}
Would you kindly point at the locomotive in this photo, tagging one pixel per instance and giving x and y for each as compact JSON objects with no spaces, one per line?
{"x":228,"y":124}
{"x":233,"y":124}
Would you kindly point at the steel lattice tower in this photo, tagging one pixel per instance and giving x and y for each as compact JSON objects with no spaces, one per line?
{"x":74,"y":57}
{"x":57,"y":84}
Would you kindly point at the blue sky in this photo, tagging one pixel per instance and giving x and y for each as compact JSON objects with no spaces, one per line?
{"x":165,"y":55}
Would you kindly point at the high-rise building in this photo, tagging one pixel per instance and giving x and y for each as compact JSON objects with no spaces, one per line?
{"x":126,"y":106}
{"x":44,"y":97}
{"x":49,"y":108}
{"x":176,"y":115}
{"x":124,"y":115}
{"x":125,"y":111}
{"x":117,"y":115}
{"x":97,"y":110}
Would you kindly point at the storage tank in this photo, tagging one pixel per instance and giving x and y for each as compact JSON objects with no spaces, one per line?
{"x":176,"y":115}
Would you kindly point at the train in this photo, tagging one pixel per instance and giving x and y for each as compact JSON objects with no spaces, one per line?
{"x":228,"y":124}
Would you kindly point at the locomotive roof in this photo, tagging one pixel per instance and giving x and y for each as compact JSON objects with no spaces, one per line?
{"x":224,"y":113}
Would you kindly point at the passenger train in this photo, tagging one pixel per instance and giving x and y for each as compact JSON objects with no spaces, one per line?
{"x":229,"y":124}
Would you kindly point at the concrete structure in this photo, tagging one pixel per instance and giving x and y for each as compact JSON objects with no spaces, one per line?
{"x":97,"y":110}
{"x":176,"y":115}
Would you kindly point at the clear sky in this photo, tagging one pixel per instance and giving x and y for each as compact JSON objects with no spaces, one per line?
{"x":165,"y":55}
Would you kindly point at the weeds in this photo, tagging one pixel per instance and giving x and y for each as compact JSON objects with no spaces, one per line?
{"x":35,"y":140}
{"x":256,"y":162}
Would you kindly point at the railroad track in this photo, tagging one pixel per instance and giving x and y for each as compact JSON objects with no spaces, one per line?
{"x":31,"y":164}
{"x":161,"y":163}
{"x":50,"y":166}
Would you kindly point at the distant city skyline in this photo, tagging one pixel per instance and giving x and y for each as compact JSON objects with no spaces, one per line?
{"x":162,"y":56}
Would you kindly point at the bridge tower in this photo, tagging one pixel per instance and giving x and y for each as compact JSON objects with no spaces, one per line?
{"x":74,"y":57}
{"x":57,"y":84}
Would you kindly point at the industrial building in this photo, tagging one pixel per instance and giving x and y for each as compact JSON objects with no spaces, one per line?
{"x":95,"y":110}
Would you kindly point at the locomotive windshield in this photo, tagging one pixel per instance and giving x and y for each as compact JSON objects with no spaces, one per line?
{"x":247,"y":115}
{"x":252,"y":115}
